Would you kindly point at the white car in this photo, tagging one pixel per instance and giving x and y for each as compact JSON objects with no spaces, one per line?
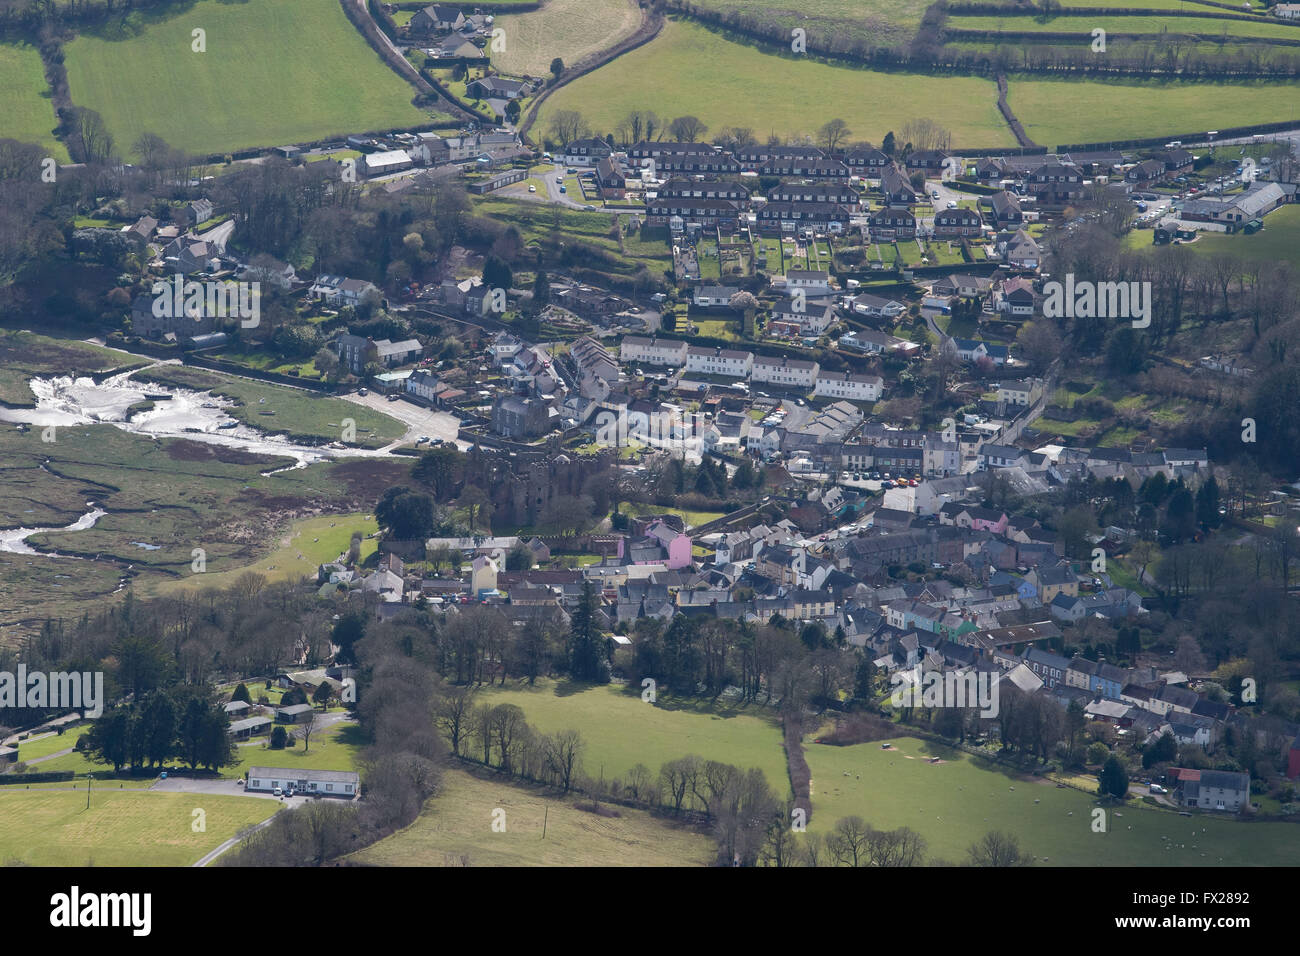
{"x":532,"y":189}
{"x":952,"y":204}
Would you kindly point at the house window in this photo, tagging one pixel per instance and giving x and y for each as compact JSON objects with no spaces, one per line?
{"x":329,"y":786}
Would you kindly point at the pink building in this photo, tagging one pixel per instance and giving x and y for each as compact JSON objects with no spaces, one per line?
{"x":659,"y":545}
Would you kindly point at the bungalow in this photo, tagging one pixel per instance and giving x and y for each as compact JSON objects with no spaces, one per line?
{"x":866,"y":340}
{"x":294,"y":713}
{"x":973,"y":350}
{"x":495,"y":88}
{"x":875,"y":307}
{"x":332,"y":783}
{"x":714,"y":296}
{"x":436,"y":18}
{"x":249,"y":727}
{"x":383,"y":163}
{"x":1145,"y":173}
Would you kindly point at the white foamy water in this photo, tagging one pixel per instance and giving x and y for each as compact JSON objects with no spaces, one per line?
{"x":14,"y":541}
{"x":197,"y":416}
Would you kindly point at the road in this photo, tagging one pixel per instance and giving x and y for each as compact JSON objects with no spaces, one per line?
{"x":219,"y":235}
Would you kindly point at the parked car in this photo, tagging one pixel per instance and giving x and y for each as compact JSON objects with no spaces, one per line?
{"x":393,"y":396}
{"x":278,"y":792}
{"x":532,"y":189}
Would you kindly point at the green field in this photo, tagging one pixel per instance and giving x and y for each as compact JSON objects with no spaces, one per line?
{"x":172,"y":495}
{"x":954,"y":803}
{"x":1278,"y":241}
{"x":1105,"y":112}
{"x":274,"y":71}
{"x":688,"y":69}
{"x":25,"y":355}
{"x":301,"y":414}
{"x":333,"y":748}
{"x":29,"y":111}
{"x":569,"y":29}
{"x":876,"y":22}
{"x":458,"y":823}
{"x":121,"y":828}
{"x":48,"y":744}
{"x":304,"y":547}
{"x":621,"y":731}
{"x":1205,"y":27}
{"x":1181,"y":5}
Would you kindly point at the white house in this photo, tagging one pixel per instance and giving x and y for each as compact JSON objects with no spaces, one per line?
{"x":719,"y":361}
{"x":341,"y":291}
{"x":422,"y":383}
{"x":854,"y":386}
{"x":331,"y":783}
{"x":788,"y":372}
{"x":714,"y":296}
{"x":813,"y":283}
{"x":1024,"y":392}
{"x":653,"y":351}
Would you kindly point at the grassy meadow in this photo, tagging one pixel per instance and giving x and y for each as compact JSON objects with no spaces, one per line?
{"x":621,"y":731}
{"x":28,"y":114}
{"x":689,"y":69}
{"x":273,"y":71}
{"x":457,"y":824}
{"x":1107,"y":111}
{"x":569,"y":29}
{"x":121,"y":828}
{"x":953,"y":803}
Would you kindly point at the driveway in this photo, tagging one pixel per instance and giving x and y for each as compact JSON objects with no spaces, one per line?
{"x":418,"y":419}
{"x":553,"y":190}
